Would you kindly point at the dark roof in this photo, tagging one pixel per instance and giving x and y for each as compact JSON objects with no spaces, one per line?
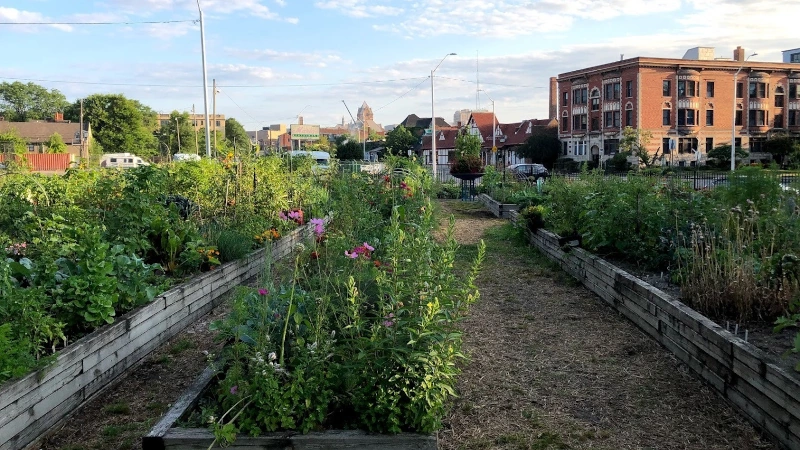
{"x":446,"y":139}
{"x":413,"y":121}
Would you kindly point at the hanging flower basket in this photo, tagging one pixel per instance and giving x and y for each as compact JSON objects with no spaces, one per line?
{"x":467,"y":176}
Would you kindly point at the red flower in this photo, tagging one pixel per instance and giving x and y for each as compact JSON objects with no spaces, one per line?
{"x":314,"y":255}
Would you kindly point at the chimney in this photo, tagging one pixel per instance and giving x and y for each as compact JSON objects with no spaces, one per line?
{"x":300,"y":120}
{"x":738,"y":54}
{"x":58,"y":117}
{"x":553,"y":98}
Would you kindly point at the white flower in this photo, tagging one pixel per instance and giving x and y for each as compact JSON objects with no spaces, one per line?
{"x":273,"y":356}
{"x":212,"y":419}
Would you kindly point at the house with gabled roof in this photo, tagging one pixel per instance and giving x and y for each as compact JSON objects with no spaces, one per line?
{"x":36,"y":134}
{"x":445,"y":146}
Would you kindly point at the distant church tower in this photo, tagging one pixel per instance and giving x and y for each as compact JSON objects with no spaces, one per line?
{"x":365,"y":113}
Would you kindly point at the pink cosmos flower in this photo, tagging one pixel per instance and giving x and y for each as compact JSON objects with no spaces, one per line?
{"x":319,"y":226}
{"x":263,"y":292}
{"x":388,"y":323}
{"x":369,"y":247}
{"x":234,"y":390}
{"x":351,"y":255}
{"x":282,"y":216}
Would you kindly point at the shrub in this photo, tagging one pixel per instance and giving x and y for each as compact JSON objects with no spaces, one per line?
{"x":233,"y":245}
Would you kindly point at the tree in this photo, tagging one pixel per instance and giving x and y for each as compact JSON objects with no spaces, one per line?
{"x":374,"y":136}
{"x":721,"y":155}
{"x":237,"y":137}
{"x":781,"y":148}
{"x":542,"y":147}
{"x":11,"y":142}
{"x":55,"y":144}
{"x":350,"y":150}
{"x":179,"y":124}
{"x":399,"y":141}
{"x":22,"y":102}
{"x":634,"y":142}
{"x":467,"y":155}
{"x":119,"y":125}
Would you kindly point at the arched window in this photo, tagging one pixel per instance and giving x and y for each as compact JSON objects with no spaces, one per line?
{"x":595,"y":97}
{"x":564,"y":122}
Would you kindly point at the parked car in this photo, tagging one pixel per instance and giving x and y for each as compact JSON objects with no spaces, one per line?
{"x":122,"y":160}
{"x":528,"y":171}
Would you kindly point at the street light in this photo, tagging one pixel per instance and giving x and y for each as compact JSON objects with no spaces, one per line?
{"x":733,"y":119}
{"x":494,"y":134}
{"x":433,"y":121}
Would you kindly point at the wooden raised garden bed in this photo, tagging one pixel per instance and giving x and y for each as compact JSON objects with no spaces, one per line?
{"x":164,"y":435}
{"x":501,"y":210}
{"x":29,"y":407}
{"x":744,"y":375}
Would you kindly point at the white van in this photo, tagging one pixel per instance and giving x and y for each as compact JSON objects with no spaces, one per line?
{"x":322,"y":159}
{"x":122,"y":160}
{"x":185,"y":157}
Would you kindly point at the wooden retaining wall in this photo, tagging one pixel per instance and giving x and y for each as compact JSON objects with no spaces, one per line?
{"x":164,"y":435}
{"x":32,"y":405}
{"x":743,"y":374}
{"x":501,"y":210}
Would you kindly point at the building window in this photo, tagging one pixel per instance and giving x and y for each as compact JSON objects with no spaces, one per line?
{"x":757,"y":144}
{"x":794,"y":118}
{"x":710,"y":118}
{"x":564,"y":124}
{"x":595,"y":103}
{"x":580,"y":148}
{"x":687,"y":145}
{"x":665,"y":146}
{"x":666,"y":88}
{"x":793,"y":91}
{"x":612,"y":91}
{"x":579,"y":96}
{"x":610,"y":146}
{"x":795,"y":58}
{"x":564,"y":97}
{"x":739,"y":90}
{"x":737,"y":143}
{"x":709,"y":89}
{"x":779,"y":97}
{"x":709,"y":144}
{"x":564,"y":148}
{"x":687,"y":88}
{"x":579,"y":122}
{"x":595,"y":123}
{"x":757,"y":118}
{"x":666,"y":117}
{"x":218,"y":123}
{"x":612,"y":119}
{"x":687,"y":117}
{"x":738,"y":118}
{"x":778,"y":121}
{"x":758,"y":90}
{"x":629,"y":88}
{"x":628,"y":118}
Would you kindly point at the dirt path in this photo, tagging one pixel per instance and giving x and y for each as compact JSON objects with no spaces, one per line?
{"x":552,"y":367}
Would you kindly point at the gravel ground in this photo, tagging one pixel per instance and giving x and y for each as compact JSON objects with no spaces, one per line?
{"x":552,"y":367}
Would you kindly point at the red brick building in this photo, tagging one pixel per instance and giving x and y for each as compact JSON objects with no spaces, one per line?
{"x":688,"y":101}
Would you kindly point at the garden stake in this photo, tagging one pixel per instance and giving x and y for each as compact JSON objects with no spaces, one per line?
{"x":745,"y":335}
{"x":727,"y":325}
{"x":736,"y":330}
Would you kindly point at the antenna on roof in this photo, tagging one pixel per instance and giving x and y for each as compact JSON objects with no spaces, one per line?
{"x":621,"y":56}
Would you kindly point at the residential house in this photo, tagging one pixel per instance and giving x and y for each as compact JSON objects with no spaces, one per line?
{"x":418,"y":126}
{"x":37,"y":133}
{"x":689,"y":105}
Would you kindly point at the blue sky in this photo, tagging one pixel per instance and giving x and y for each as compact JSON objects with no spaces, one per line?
{"x":274,"y":59}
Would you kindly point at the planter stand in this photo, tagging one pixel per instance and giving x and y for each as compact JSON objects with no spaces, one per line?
{"x":165,"y":436}
{"x":467,"y":185}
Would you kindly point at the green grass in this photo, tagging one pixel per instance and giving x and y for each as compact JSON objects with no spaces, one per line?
{"x":181,"y":346}
{"x":118,"y":408}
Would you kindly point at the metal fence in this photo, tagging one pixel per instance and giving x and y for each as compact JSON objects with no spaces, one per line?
{"x":698,"y":180}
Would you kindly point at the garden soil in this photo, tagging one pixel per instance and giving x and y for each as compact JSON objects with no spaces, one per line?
{"x":551,"y":366}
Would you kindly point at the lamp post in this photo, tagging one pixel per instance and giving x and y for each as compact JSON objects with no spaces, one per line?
{"x":494,"y":135}
{"x":205,"y":80}
{"x":733,"y":119}
{"x":433,"y":122}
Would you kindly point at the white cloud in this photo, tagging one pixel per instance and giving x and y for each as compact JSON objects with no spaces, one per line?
{"x":314,"y":59}
{"x":19,"y":16}
{"x":360,"y":8}
{"x":251,"y":7}
{"x":281,"y":2}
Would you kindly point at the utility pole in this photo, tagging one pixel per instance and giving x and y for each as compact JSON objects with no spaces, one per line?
{"x":178,"y":132}
{"x":194,"y":124}
{"x":83,"y":149}
{"x":205,"y":78}
{"x":215,"y":115}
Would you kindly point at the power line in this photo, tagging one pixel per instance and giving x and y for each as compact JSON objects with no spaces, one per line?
{"x":404,"y":94}
{"x":100,"y":23}
{"x":493,"y":84}
{"x":242,"y":109}
{"x":342,"y":83}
